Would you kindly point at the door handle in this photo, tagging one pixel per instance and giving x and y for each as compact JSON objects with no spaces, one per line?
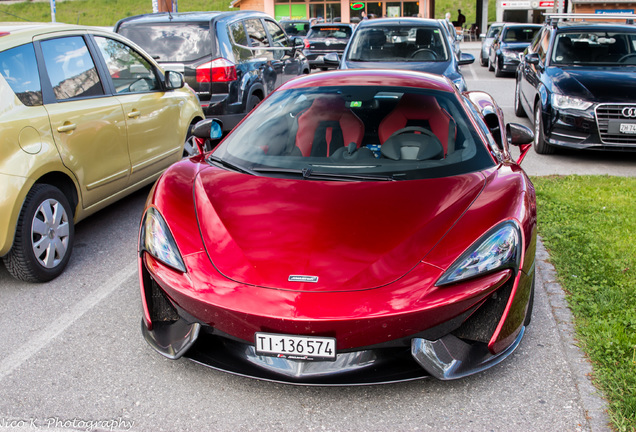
{"x":134,"y":114}
{"x":67,"y":127}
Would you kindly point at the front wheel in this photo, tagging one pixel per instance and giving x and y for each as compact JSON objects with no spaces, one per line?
{"x":519,"y":111}
{"x":44,"y":236}
{"x":252,"y":102}
{"x":498,"y":66}
{"x":540,"y":146}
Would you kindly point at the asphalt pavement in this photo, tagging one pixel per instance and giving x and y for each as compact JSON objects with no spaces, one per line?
{"x":72,"y":356}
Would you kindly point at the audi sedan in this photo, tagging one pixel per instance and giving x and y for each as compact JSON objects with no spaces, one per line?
{"x":358,"y":227}
{"x":576,"y":83}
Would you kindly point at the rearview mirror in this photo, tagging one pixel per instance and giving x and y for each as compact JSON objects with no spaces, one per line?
{"x":207,"y":131}
{"x":331,"y":59}
{"x":520,"y":136}
{"x":174,"y":80}
{"x":466,"y":59}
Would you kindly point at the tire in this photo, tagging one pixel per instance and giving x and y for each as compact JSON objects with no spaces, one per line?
{"x":251,"y":103}
{"x":483,"y":61}
{"x":540,"y":146}
{"x":44,"y":236}
{"x":498,"y":71}
{"x":490,"y":66}
{"x":190,"y":147}
{"x":519,"y":111}
{"x":530,"y":306}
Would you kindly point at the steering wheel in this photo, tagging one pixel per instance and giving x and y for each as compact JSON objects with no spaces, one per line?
{"x":424,"y":54}
{"x":412,"y":129}
{"x":433,"y":146}
{"x":627,"y":57}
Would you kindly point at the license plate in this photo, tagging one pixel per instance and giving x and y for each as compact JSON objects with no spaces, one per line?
{"x":628,"y":128}
{"x":295,"y":347}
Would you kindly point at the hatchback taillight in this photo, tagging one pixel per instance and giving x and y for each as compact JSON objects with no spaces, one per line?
{"x":306,"y":43}
{"x":218,"y":70}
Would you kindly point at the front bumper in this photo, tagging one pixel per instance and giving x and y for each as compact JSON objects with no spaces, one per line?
{"x":452,"y":349}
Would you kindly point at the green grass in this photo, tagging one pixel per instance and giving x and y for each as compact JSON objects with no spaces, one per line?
{"x":108,"y":12}
{"x":588,"y":224}
{"x":96,"y":12}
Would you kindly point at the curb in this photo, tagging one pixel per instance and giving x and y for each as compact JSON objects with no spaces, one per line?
{"x":590,"y":398}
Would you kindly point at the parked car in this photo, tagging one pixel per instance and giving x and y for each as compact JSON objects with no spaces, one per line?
{"x":358,"y":226}
{"x":508,"y":45}
{"x":416,"y":44}
{"x":453,"y":38}
{"x":486,"y":41}
{"x":87,"y":118}
{"x":576,"y":83}
{"x":231,"y":59}
{"x":295,"y":27}
{"x":323,"y":39}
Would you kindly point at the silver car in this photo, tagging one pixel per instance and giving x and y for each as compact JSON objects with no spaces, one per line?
{"x":487,"y":40}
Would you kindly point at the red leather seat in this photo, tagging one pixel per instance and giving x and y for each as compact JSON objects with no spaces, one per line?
{"x":326,"y":126}
{"x":420,"y":110}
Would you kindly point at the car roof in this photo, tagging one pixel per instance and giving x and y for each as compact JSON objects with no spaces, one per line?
{"x":180,"y":17}
{"x":517,"y":25}
{"x":331,"y":25}
{"x":399,"y":21}
{"x":372,"y":77}
{"x":597,"y":26}
{"x":21,"y":33}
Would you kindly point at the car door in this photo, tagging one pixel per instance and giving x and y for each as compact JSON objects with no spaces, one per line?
{"x":262,"y":57}
{"x":533,"y":74}
{"x":89,"y":128}
{"x":154,"y":137}
{"x":285,"y":55}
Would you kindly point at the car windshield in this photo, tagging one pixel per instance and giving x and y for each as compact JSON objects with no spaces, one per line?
{"x":356,"y":133}
{"x":329,"y":32}
{"x":398,"y":43}
{"x":170,"y":42}
{"x":519,"y":34}
{"x":595,"y":48}
{"x":295,"y":28}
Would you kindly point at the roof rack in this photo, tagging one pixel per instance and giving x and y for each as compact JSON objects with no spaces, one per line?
{"x":553,"y":18}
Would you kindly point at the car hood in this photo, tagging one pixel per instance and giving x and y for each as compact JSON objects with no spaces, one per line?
{"x":340,"y":235}
{"x":611,"y":84}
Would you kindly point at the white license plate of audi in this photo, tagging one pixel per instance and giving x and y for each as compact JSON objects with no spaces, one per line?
{"x":628,"y":128}
{"x":295,"y":347}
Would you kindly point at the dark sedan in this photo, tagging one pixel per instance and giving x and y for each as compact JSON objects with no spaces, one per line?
{"x":508,"y":45}
{"x":577,"y":83}
{"x":415,"y":44}
{"x":323,"y":39}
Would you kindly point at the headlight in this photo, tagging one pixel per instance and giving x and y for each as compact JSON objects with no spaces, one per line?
{"x":156,"y":239}
{"x":500,"y":248}
{"x":510,"y":55}
{"x":568,"y":102}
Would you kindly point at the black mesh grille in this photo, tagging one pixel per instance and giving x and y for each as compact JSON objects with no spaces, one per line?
{"x":606,"y":113}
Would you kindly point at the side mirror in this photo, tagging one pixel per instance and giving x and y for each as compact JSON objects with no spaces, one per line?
{"x":532,"y":58}
{"x":520,"y":136}
{"x":298,"y":42}
{"x":207,"y":130}
{"x":331,"y":59}
{"x":466,"y":59}
{"x":174,"y":80}
{"x":482,"y":35}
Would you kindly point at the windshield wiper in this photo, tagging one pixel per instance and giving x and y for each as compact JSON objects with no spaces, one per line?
{"x":230,"y":165}
{"x":309,"y":173}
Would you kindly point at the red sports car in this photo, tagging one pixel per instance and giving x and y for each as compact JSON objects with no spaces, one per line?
{"x":357,"y":227}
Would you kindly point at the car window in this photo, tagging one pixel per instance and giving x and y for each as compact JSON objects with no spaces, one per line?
{"x":493,"y":31}
{"x":295,"y":28}
{"x":542,"y":45}
{"x":352,"y":131}
{"x":238,"y":33}
{"x":171,"y":42}
{"x":330,"y":32}
{"x":519,"y":34}
{"x":397,"y":43}
{"x":130,"y":72}
{"x":256,"y":34}
{"x":279,"y":38}
{"x":70,"y":68}
{"x":594,"y":48}
{"x":19,"y":68}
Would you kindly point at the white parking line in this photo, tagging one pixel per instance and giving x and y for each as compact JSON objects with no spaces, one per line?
{"x":32,"y":346}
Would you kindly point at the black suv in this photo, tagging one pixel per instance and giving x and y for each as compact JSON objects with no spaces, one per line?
{"x":232,"y":60}
{"x":576,"y":81}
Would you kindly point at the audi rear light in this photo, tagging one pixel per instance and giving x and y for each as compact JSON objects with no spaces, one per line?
{"x":218,"y":70}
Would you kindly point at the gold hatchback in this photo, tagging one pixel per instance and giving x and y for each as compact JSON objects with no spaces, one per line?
{"x":86,"y":118}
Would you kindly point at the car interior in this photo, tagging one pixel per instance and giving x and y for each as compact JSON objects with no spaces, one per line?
{"x":586,"y":48}
{"x":398,"y":44}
